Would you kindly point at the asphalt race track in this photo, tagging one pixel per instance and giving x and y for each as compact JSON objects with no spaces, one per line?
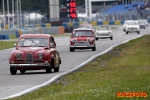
{"x":12,"y":84}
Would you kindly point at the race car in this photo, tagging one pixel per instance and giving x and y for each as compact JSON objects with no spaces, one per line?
{"x":133,"y":26}
{"x":82,"y":38}
{"x":35,"y":52}
{"x":103,"y":32}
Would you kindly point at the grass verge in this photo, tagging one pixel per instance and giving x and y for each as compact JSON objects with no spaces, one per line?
{"x":124,"y":69}
{"x":7,"y":44}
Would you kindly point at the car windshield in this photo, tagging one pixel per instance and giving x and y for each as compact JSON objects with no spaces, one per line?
{"x":132,"y":23}
{"x":85,"y":26}
{"x":103,"y":28}
{"x":141,"y":22}
{"x":82,"y":33}
{"x":38,"y":42}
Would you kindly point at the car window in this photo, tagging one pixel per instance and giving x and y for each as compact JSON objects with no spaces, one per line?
{"x":52,"y":42}
{"x":132,"y":23}
{"x":103,"y":28}
{"x":33,"y":42}
{"x":82,"y":33}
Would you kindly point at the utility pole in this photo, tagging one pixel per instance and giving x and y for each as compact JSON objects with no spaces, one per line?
{"x":4,"y":13}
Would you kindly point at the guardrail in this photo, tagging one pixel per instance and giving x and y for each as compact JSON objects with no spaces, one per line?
{"x":5,"y":34}
{"x":95,"y":23}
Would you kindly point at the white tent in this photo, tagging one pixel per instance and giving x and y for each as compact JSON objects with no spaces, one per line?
{"x":33,"y":16}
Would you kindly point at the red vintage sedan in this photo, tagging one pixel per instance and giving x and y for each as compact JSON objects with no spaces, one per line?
{"x":82,"y":38}
{"x":35,"y":52}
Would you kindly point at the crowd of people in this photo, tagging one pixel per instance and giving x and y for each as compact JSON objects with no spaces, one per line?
{"x":139,"y":8}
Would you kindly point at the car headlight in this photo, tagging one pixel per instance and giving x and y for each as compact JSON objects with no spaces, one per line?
{"x":40,"y":56}
{"x":72,"y":40}
{"x":18,"y":56}
{"x":91,"y":39}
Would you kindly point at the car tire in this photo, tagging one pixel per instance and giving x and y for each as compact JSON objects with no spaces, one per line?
{"x":49,"y":69}
{"x":94,"y":48}
{"x":71,"y":49}
{"x":126,"y":32}
{"x":22,"y":71}
{"x":56,"y":69}
{"x":138,"y":32}
{"x":96,"y":39}
{"x":111,"y":38}
{"x":13,"y":71}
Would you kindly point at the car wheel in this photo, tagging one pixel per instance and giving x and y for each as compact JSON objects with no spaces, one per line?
{"x":49,"y":69}
{"x":126,"y":32}
{"x":94,"y":48}
{"x":96,"y":39}
{"x":71,"y":49}
{"x":22,"y":71}
{"x":138,"y":32}
{"x":13,"y":71}
{"x":56,"y":69}
{"x":111,"y":38}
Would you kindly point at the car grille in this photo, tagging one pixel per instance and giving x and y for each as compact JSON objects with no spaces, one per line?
{"x":85,"y":43}
{"x":106,"y":34}
{"x":29,"y":58}
{"x":132,"y":28}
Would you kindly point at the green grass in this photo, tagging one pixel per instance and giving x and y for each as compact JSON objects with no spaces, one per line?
{"x":124,"y":69}
{"x":12,"y":37}
{"x":7,"y":44}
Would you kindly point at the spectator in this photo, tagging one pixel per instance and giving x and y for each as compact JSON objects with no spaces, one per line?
{"x":126,"y":6}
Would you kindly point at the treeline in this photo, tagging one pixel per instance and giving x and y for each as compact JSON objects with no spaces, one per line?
{"x":42,"y":5}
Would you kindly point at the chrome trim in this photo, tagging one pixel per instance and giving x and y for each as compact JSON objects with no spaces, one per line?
{"x":30,"y":65}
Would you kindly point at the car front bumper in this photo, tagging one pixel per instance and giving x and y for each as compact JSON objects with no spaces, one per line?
{"x":30,"y":65}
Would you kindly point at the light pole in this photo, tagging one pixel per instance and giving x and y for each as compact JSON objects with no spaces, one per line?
{"x":13,"y":14}
{"x":4,"y":13}
{"x":17,"y":15}
{"x":20,"y":14}
{"x":8,"y":13}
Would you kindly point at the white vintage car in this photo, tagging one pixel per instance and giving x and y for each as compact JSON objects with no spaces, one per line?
{"x":133,"y":26}
{"x":125,"y":24}
{"x":143,"y":23}
{"x":103,"y":32}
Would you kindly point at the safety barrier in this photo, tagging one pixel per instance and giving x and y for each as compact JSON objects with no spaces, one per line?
{"x":4,"y":37}
{"x":5,"y":34}
{"x":94,"y":23}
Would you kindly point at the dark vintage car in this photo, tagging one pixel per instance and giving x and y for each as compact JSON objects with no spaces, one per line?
{"x":35,"y":52}
{"x":82,"y":38}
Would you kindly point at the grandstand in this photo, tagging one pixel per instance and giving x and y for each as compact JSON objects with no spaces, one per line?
{"x":132,"y":11}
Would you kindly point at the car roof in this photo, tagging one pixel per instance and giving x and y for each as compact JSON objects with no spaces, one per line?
{"x":35,"y":36}
{"x":83,"y":29}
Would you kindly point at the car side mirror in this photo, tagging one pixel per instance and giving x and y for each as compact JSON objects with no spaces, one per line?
{"x":52,"y":45}
{"x":14,"y":45}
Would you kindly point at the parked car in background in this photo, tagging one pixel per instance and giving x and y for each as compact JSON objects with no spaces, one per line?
{"x":132,"y":26}
{"x":82,"y":38}
{"x":35,"y":52}
{"x":103,"y":32}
